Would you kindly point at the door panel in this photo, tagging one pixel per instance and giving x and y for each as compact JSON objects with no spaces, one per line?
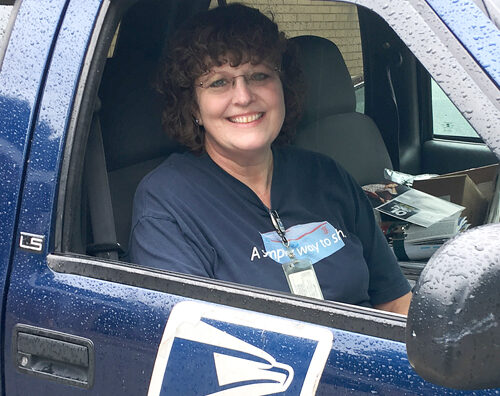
{"x":21,"y":73}
{"x":444,"y":156}
{"x":31,"y":45}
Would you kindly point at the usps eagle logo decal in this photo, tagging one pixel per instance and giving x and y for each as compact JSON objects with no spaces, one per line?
{"x":213,"y":350}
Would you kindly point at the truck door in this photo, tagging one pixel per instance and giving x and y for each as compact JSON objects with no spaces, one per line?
{"x":26,"y":49}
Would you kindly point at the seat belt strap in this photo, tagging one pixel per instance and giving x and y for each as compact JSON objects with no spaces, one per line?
{"x":394,"y":62}
{"x":99,"y":197}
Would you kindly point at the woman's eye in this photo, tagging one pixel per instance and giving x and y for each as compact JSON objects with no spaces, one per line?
{"x":221,"y":82}
{"x":259,"y":76}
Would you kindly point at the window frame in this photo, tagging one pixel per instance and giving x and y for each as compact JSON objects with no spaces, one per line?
{"x":368,"y":321}
{"x":342,"y":316}
{"x":332,"y":314}
{"x":426,"y":113}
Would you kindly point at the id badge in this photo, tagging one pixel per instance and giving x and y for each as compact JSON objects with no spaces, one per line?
{"x":302,"y":279}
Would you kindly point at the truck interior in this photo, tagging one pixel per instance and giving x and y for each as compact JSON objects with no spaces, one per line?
{"x":119,"y":139}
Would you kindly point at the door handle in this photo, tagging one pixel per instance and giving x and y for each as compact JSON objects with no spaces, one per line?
{"x":54,"y":355}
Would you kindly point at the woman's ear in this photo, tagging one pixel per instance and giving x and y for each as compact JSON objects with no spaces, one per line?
{"x":196,"y":117}
{"x":197,"y":120}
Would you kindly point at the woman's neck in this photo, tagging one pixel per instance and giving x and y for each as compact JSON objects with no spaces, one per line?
{"x":254,"y":171}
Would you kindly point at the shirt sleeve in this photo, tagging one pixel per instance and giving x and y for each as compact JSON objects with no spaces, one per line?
{"x":387,"y":281}
{"x":160,"y":243}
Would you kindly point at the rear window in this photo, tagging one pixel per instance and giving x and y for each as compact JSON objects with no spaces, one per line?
{"x":447,"y":120}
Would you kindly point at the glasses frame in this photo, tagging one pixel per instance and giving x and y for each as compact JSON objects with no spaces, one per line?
{"x":246,"y":77}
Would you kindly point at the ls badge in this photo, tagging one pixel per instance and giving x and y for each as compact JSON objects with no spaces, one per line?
{"x":213,"y":350}
{"x":31,"y":242}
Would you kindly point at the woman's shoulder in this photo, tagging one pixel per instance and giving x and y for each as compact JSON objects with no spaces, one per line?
{"x":177,"y":169}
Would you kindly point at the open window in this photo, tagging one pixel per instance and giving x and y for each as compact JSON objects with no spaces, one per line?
{"x":118,"y":137}
{"x":125,"y":140}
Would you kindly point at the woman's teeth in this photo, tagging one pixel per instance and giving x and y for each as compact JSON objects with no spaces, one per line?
{"x":246,"y":119}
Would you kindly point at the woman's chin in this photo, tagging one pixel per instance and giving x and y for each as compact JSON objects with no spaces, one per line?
{"x":242,"y":148}
{"x":253,"y":148}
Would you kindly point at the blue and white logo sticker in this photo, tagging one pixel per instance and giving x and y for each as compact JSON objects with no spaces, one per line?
{"x":213,"y":350}
{"x":314,"y":241}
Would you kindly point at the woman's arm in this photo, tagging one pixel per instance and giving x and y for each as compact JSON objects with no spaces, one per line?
{"x":399,"y":305}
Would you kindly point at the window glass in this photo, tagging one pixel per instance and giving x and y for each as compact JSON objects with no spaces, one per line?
{"x":446,"y":119}
{"x":337,"y":22}
{"x":359,"y":90}
{"x":112,"y":47}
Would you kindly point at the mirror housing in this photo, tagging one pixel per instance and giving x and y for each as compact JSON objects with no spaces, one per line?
{"x":453,"y":326}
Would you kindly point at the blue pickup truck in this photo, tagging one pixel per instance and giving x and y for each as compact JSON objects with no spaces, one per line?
{"x":80,"y":127}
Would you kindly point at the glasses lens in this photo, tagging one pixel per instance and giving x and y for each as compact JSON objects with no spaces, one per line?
{"x":219,"y":82}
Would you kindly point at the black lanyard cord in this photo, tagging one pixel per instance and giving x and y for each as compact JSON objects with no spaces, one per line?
{"x":278,"y":226}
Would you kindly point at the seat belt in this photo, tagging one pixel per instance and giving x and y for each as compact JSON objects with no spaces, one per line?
{"x":102,"y":220}
{"x":393,"y":61}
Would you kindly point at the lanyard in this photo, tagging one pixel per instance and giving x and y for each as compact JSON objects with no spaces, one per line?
{"x":299,"y":273}
{"x":280,"y":229}
{"x":278,"y":226}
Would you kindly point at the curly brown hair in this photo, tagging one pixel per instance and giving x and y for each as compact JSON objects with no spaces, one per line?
{"x":234,"y":34}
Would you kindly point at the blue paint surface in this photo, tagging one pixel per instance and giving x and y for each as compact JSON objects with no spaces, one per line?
{"x":476,"y":32}
{"x":22,"y":70}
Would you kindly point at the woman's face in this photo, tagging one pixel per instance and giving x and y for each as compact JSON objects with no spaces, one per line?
{"x":241,"y":108}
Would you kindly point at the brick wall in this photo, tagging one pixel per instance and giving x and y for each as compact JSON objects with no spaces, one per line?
{"x":335,"y":21}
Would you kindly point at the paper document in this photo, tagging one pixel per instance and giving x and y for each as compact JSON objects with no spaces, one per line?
{"x":419,"y":208}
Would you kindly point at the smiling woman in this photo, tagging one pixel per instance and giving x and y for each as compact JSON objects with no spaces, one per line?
{"x":203,"y":48}
{"x":243,"y":206}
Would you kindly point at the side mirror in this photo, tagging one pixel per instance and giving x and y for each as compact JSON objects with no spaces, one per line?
{"x":453,"y":326}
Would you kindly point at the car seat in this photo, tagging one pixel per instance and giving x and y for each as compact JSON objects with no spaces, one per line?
{"x":133,"y":140}
{"x":330,"y":124}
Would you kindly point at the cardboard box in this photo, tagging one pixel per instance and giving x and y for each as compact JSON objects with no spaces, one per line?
{"x":459,"y":189}
{"x":484,"y":177}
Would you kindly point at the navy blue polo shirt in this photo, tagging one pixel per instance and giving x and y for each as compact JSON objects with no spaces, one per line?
{"x":191,"y":216}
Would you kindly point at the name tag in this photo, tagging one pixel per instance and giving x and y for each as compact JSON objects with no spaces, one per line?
{"x":302,"y":279}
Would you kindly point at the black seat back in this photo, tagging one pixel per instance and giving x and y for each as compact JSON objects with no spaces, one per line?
{"x":134,"y":142}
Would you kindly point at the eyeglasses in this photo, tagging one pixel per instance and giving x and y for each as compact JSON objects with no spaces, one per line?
{"x":221,"y":82}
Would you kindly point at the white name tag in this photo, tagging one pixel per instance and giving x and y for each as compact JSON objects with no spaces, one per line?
{"x":302,"y":279}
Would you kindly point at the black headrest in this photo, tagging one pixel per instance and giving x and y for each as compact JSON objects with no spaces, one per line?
{"x":143,"y":29}
{"x":131,"y":114}
{"x":131,"y":110}
{"x":329,"y":86}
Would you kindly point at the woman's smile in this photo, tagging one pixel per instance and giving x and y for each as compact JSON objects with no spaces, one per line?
{"x":246,"y":118}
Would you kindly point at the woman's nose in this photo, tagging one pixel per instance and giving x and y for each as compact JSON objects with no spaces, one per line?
{"x":242,"y":92}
